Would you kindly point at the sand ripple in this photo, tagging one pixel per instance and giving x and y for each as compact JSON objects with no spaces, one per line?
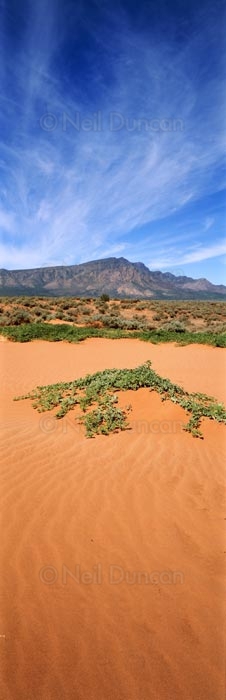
{"x":113,"y":554}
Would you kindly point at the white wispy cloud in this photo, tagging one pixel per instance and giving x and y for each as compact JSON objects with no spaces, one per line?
{"x":208,"y":223}
{"x":203,"y":253}
{"x":7,"y":222}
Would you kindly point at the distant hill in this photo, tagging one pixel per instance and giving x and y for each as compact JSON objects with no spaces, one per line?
{"x":115,"y":276}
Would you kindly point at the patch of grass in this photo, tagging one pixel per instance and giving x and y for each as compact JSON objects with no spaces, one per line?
{"x":54,"y":333}
{"x":25,"y":332}
{"x":185,"y":338}
{"x":100,"y":390}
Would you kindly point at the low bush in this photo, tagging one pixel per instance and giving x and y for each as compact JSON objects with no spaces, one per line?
{"x":30,"y":331}
{"x":19,"y":317}
{"x":175,"y":326}
{"x":104,"y":298}
{"x":101,"y":389}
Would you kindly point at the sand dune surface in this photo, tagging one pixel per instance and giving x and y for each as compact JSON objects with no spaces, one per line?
{"x":113,"y":554}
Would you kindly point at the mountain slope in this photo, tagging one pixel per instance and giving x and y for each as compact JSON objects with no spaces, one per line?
{"x":116,"y":276}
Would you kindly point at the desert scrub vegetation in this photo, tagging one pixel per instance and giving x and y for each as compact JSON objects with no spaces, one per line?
{"x":110,"y":321}
{"x":104,"y":297}
{"x":198,"y":313}
{"x":126,"y":315}
{"x":97,"y":396}
{"x":176,"y":326}
{"x":26,"y":332}
{"x":16,"y":318}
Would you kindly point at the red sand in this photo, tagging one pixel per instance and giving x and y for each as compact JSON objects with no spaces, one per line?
{"x":148,"y":501}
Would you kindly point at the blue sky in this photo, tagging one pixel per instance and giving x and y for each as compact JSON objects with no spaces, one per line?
{"x":111,"y":134}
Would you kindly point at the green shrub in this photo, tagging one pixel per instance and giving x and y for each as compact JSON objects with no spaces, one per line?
{"x":101,"y":389}
{"x":64,"y":305}
{"x":19,"y":317}
{"x":141,"y":305}
{"x":86,"y":312}
{"x":30,"y":331}
{"x":175,"y":326}
{"x":4,"y":320}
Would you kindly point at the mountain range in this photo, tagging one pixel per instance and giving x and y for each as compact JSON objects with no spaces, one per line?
{"x":115,"y":276}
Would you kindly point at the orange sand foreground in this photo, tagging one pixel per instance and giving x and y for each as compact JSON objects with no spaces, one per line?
{"x":113,"y":552}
